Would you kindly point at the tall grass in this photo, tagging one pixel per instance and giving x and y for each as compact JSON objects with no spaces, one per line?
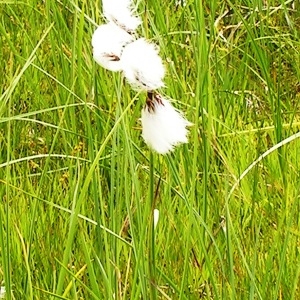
{"x":79,"y":186}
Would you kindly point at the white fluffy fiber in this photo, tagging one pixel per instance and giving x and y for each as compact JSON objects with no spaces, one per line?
{"x":164,"y":127}
{"x":142,"y":65}
{"x":121,"y":12}
{"x":108,"y":42}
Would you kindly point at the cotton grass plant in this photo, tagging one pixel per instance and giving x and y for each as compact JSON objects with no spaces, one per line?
{"x":163,"y":127}
{"x":79,"y":187}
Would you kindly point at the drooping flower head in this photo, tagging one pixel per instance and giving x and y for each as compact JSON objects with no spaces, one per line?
{"x":121,"y":13}
{"x":108,"y":42}
{"x":142,"y":65}
{"x":163,"y":127}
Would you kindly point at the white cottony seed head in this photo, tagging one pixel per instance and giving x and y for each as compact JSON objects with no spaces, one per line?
{"x":108,"y":42}
{"x":163,"y":127}
{"x":121,"y":13}
{"x":142,"y":65}
{"x":2,"y":292}
{"x":155,"y":217}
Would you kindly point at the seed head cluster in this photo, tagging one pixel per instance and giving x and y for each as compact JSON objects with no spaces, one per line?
{"x":117,"y":48}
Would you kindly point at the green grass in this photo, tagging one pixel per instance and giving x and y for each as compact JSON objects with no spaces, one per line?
{"x":78,"y":185}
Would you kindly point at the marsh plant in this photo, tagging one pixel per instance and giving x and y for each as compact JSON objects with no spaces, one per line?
{"x":79,"y":187}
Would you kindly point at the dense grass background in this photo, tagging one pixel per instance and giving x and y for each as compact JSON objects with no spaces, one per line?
{"x":78,"y":184}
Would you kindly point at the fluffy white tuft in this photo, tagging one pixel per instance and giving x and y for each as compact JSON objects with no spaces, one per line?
{"x":121,"y":13}
{"x":155,"y":217}
{"x":108,"y":42}
{"x":142,"y":65}
{"x":2,"y":292}
{"x":163,"y":126}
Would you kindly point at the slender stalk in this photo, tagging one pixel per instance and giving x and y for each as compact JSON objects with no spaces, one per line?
{"x":151,"y":231}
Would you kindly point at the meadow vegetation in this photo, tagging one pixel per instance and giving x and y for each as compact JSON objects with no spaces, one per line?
{"x":78,"y":184}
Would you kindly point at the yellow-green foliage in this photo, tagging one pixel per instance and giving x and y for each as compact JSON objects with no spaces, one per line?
{"x":78,"y":185}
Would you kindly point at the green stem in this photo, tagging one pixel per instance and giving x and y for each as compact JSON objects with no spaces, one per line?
{"x":152,"y":232}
